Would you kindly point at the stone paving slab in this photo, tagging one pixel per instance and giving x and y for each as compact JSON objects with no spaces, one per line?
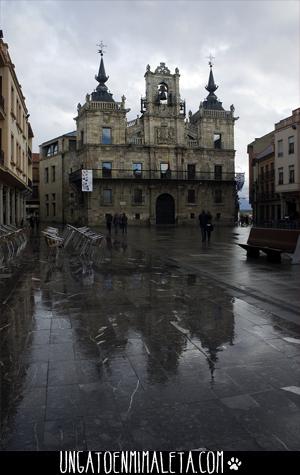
{"x":166,"y":344}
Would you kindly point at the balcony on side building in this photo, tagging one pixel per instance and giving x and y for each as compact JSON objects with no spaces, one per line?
{"x":2,"y":108}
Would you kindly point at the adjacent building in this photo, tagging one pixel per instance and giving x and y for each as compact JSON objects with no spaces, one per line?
{"x":287,"y":160}
{"x":274,"y":173}
{"x":162,"y":168}
{"x":15,"y":143}
{"x":33,"y":200}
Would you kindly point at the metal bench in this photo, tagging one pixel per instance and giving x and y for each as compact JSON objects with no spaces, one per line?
{"x":273,"y":242}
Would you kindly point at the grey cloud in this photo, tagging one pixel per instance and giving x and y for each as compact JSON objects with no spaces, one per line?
{"x":256,"y":44}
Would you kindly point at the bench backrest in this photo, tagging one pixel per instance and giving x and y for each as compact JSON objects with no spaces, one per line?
{"x":284,"y":239}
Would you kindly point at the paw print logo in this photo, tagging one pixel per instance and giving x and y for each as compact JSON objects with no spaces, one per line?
{"x":234,"y":463}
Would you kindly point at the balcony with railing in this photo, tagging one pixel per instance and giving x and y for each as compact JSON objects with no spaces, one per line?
{"x":158,"y":175}
{"x":2,"y":107}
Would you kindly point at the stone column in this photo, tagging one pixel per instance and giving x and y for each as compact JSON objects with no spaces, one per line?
{"x":7,"y":206}
{"x":1,"y":203}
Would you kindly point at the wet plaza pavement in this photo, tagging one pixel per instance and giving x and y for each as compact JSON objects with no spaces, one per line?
{"x":166,"y":343}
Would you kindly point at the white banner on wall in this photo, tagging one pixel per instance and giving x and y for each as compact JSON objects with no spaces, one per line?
{"x":87,"y":180}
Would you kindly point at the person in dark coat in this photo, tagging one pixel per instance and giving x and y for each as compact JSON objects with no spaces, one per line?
{"x":109,"y":219}
{"x":209,"y":225}
{"x":124,"y":221}
{"x":116,"y":222}
{"x":203,"y":225}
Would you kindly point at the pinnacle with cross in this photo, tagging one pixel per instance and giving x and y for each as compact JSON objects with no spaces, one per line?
{"x":101,"y":46}
{"x":210,"y":57}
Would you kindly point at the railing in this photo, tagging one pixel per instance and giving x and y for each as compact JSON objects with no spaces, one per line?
{"x":279,"y":224}
{"x":135,"y":140}
{"x":193,"y":143}
{"x":102,"y":105}
{"x":1,"y":157}
{"x":179,"y":175}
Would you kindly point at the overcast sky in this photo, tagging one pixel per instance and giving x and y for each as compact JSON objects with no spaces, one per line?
{"x":255,"y":44}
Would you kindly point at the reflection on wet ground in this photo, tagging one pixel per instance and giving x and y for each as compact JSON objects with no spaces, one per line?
{"x":158,"y":346}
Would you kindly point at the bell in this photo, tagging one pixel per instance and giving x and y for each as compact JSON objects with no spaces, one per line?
{"x":162,"y":96}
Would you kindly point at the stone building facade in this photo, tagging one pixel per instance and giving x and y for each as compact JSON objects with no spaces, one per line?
{"x":161,"y":168}
{"x":287,"y":169}
{"x":263,"y":198}
{"x":274,"y":172}
{"x":15,"y":144}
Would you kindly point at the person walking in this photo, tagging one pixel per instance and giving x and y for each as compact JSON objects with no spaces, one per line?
{"x":124,"y":221}
{"x":109,"y":219}
{"x":116,"y":222}
{"x":209,"y":225}
{"x":203,"y":225}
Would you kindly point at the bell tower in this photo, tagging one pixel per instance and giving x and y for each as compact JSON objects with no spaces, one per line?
{"x":163,"y":111}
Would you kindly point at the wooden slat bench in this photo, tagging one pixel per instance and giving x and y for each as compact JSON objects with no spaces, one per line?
{"x":272,"y":242}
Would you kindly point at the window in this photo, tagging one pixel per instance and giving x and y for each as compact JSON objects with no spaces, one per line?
{"x":53,"y":172}
{"x":218,"y":196}
{"x":46,"y":175}
{"x":191,"y":169}
{"x":218,"y":172}
{"x":107,"y":196}
{"x":81,"y":138}
{"x":191,"y":196}
{"x":291,"y":145}
{"x":53,"y":196}
{"x":12,"y":149}
{"x":280,"y":176}
{"x":47,"y":197}
{"x":291,"y":174}
{"x":72,"y":145}
{"x":280,"y":148}
{"x":12,"y":98}
{"x":217,"y":140}
{"x":137,"y":169}
{"x":106,"y":136}
{"x":192,"y":215}
{"x":137,"y":216}
{"x":165,"y":171}
{"x":52,"y":149}
{"x":47,"y":209}
{"x":106,"y":169}
{"x":53,"y":209}
{"x":138,"y":196}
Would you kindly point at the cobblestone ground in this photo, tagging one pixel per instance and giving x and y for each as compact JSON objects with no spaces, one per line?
{"x":165,"y":343}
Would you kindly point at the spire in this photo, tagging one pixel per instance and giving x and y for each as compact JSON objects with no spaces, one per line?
{"x":101,"y":78}
{"x":211,"y":87}
{"x":211,"y":101}
{"x":101,"y":94}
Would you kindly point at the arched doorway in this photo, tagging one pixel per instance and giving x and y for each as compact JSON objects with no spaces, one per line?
{"x":165,"y":209}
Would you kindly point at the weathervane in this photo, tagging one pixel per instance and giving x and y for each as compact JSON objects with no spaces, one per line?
{"x":101,"y":46}
{"x":210,"y":57}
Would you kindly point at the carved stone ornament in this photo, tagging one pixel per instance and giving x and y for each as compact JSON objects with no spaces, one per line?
{"x":165,"y":135}
{"x":148,"y":68}
{"x":162,"y":69}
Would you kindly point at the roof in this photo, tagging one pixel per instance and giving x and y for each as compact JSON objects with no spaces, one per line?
{"x":267,"y":151}
{"x":68,"y":134}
